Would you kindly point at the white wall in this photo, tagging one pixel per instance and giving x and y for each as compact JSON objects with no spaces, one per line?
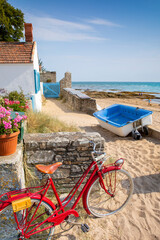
{"x":35,"y":59}
{"x":36,"y":102}
{"x":36,"y":98}
{"x":14,"y":75}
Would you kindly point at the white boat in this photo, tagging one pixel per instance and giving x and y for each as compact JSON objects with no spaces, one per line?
{"x":123,"y":119}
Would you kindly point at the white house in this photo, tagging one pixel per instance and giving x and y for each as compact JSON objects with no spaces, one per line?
{"x":19,"y":67}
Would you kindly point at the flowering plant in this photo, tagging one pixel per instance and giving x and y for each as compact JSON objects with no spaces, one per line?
{"x":16,"y":105}
{"x":8,"y":125}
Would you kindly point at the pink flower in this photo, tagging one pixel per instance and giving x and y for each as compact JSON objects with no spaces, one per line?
{"x":6,"y":101}
{"x":2,"y":110}
{"x":15,"y":124}
{"x":26,"y":106}
{"x":1,"y":115}
{"x":18,"y":119}
{"x":7,"y":125}
{"x":24,"y":117}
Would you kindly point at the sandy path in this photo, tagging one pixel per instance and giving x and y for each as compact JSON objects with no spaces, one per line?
{"x":140,"y":219}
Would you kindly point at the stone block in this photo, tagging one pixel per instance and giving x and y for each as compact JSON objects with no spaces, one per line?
{"x":41,"y":156}
{"x":61,"y":173}
{"x":75,"y":169}
{"x":12,"y":171}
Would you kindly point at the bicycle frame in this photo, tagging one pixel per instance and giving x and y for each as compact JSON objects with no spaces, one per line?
{"x":59,"y":214}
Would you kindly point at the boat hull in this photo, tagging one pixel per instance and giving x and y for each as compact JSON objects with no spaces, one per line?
{"x":116,"y":119}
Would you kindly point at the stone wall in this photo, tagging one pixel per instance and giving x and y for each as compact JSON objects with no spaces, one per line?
{"x":48,"y":77}
{"x":154,"y":132}
{"x":12,"y":171}
{"x":66,"y":82}
{"x":72,"y":149}
{"x":87,"y":105}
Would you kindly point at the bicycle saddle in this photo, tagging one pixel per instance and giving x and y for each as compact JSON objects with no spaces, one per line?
{"x":49,"y":168}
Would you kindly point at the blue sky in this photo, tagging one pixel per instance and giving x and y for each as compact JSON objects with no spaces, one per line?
{"x":97,"y":40}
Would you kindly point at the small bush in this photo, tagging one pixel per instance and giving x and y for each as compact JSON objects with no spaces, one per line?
{"x":42,"y":123}
{"x":49,"y":81}
{"x":16,"y":101}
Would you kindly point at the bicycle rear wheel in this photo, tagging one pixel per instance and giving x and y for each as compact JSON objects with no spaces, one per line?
{"x":8,"y":225}
{"x":117,"y":182}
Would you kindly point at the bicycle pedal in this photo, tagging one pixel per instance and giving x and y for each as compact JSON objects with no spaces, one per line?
{"x":85,"y":228}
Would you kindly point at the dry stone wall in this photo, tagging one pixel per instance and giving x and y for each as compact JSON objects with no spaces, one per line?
{"x":48,"y":77}
{"x":79,"y":104}
{"x":66,"y":82}
{"x":72,"y":149}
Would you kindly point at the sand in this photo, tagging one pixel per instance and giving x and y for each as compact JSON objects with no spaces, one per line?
{"x":140,"y":219}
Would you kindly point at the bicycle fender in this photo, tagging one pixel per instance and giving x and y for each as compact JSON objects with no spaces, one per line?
{"x":45,"y":199}
{"x":84,"y":197}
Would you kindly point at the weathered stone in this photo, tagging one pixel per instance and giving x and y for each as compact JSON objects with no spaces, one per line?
{"x":58,"y":158}
{"x":48,"y":77}
{"x":60,"y":149}
{"x":41,"y":157}
{"x":74,"y":102}
{"x":84,"y":162}
{"x":61,"y":173}
{"x":32,"y":146}
{"x":83,"y":159}
{"x":42,"y":145}
{"x":72,"y":149}
{"x":85,"y":154}
{"x":82,"y":148}
{"x":73,"y":175}
{"x":75,"y":169}
{"x":68,"y":162}
{"x":12,"y":171}
{"x":61,"y":181}
{"x":66,"y":166}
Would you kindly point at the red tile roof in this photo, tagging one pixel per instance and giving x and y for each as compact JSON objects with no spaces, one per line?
{"x":16,"y":52}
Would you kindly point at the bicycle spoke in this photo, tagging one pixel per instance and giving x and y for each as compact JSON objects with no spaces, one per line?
{"x":118,"y":183}
{"x":8,"y":226}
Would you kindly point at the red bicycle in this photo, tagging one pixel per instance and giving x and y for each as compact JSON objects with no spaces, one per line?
{"x":29,"y":214}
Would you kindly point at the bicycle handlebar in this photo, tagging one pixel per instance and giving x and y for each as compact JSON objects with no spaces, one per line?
{"x":100,"y":153}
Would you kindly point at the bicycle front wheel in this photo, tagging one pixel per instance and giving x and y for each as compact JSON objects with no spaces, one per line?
{"x":117,"y":182}
{"x":8,"y":226}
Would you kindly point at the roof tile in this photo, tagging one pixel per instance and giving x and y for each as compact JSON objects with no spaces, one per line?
{"x":16,"y":52}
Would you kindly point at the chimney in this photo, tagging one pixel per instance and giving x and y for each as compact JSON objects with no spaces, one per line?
{"x":28,"y":32}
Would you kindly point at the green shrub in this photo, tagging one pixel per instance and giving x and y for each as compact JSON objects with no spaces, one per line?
{"x":15,"y":96}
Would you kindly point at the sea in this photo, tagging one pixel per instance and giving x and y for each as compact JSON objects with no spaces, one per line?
{"x":150,"y":87}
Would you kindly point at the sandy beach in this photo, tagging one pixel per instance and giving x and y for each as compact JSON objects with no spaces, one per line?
{"x":140,"y":219}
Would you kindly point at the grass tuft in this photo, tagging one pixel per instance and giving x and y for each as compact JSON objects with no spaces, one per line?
{"x":43,"y":123}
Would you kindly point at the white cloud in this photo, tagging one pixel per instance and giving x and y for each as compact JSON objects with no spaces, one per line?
{"x":52,"y":29}
{"x":105,"y":22}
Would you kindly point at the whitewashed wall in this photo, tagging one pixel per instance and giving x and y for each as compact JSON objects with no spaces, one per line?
{"x":14,"y":75}
{"x":36,"y":98}
{"x":35,"y":59}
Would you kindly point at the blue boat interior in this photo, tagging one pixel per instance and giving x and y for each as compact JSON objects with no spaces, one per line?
{"x":119,"y":115}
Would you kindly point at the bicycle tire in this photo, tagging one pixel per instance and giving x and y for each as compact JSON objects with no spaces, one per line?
{"x":8,"y":224}
{"x":109,"y":205}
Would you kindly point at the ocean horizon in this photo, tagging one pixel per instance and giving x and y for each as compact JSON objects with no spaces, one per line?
{"x":151,"y":87}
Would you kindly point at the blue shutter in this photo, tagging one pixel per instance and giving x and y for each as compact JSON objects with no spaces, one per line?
{"x":37,"y":81}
